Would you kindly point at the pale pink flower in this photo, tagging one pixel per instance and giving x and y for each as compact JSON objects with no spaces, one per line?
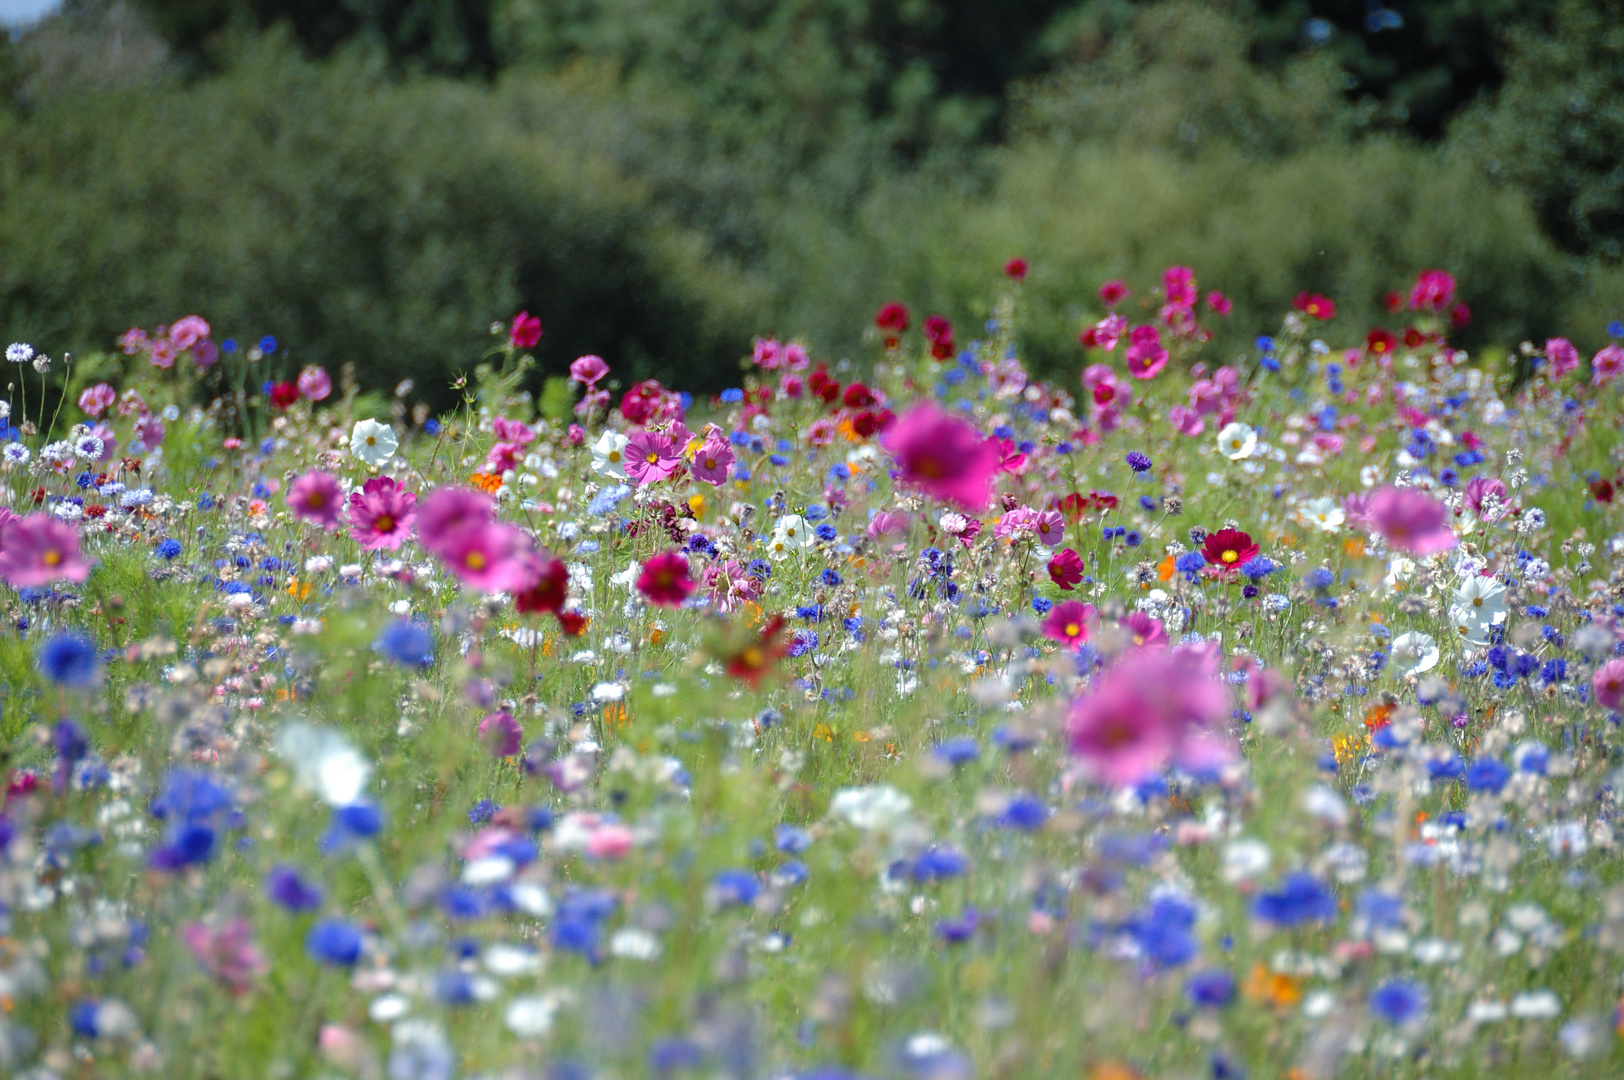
{"x":1608,"y":685}
{"x":1411,"y":521}
{"x":188,"y":331}
{"x":314,"y":383}
{"x":37,"y":550}
{"x":588,"y":369}
{"x":1154,"y":708}
{"x":96,"y":399}
{"x":227,"y":951}
{"x":713,"y":459}
{"x":1186,"y":421}
{"x":1606,"y":365}
{"x":886,"y":523}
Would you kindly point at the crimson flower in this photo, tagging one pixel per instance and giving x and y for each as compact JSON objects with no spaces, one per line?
{"x":666,"y":580}
{"x":524,"y":331}
{"x":1229,"y":549}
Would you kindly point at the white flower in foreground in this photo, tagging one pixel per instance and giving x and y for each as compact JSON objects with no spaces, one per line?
{"x":790,"y":535}
{"x":609,"y":455}
{"x":1237,"y":441}
{"x":870,"y":808}
{"x":1483,"y":597}
{"x":1418,"y":648}
{"x":1324,"y":514}
{"x":373,"y":442}
{"x":324,"y":762}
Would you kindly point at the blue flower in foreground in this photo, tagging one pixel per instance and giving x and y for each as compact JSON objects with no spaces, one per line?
{"x":1399,"y":1002}
{"x":1210,"y":989}
{"x":169,"y":549}
{"x":735,"y":887}
{"x":70,"y":660}
{"x":334,"y":941}
{"x":1299,"y":899}
{"x":407,"y":643}
{"x":285,"y":886}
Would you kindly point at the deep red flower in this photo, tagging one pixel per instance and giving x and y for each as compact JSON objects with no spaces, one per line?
{"x":284,"y":394}
{"x":754,"y":661}
{"x":1113,"y":293}
{"x":1381,"y":342}
{"x":1315,"y":306}
{"x":1015,"y":269}
{"x":573,"y":623}
{"x":1229,"y":549}
{"x":858,"y":396}
{"x":548,"y":591}
{"x":822,"y":385}
{"x":1459,"y":316}
{"x":666,"y":580}
{"x":892,"y":317}
{"x":1601,"y":490}
{"x":939,"y":332}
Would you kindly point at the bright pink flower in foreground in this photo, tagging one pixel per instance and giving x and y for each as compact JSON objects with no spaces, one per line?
{"x":37,"y":550}
{"x":491,"y":557}
{"x":381,"y":514}
{"x":95,"y":399}
{"x":651,"y":456}
{"x":1154,"y":708}
{"x":942,"y":456}
{"x":712,"y":460}
{"x":226,"y":951}
{"x":317,"y":498}
{"x":1146,"y":631}
{"x":1608,"y":684}
{"x":447,"y":511}
{"x":513,"y":431}
{"x":886,"y":523}
{"x":1606,"y":365}
{"x":501,"y":734}
{"x":1069,"y":622}
{"x":666,"y":580}
{"x":1066,"y":569}
{"x":1479,"y":488}
{"x":525,"y":331}
{"x":1145,"y":354}
{"x":1411,"y":521}
{"x":314,"y":383}
{"x":588,"y":369}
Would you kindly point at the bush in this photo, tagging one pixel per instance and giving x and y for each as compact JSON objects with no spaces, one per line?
{"x":354,"y":218}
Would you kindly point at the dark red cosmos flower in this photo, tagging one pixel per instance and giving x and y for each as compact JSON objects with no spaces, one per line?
{"x":573,"y":623}
{"x":1459,"y":316}
{"x":284,"y":394}
{"x":892,"y":320}
{"x":637,"y":405}
{"x":1381,"y":342}
{"x":939,"y":332}
{"x":822,"y":385}
{"x":549,"y":590}
{"x":1015,"y":269}
{"x":869,"y":423}
{"x":858,"y":396}
{"x":1394,"y":301}
{"x":1229,"y":549}
{"x":1601,"y":490}
{"x":754,"y":661}
{"x":1315,"y":306}
{"x":1113,"y":293}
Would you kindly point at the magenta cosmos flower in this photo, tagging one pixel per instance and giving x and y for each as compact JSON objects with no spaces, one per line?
{"x":381,"y":514}
{"x":1145,"y":354}
{"x":666,"y":580}
{"x":651,"y":456}
{"x":1066,"y":569}
{"x":1411,"y":521}
{"x":314,"y":383}
{"x":1069,"y":622}
{"x":588,"y":369}
{"x":447,"y":511}
{"x":1608,"y":684}
{"x":712,"y":460}
{"x":37,"y":550}
{"x":1144,"y":630}
{"x":942,"y":456}
{"x":317,"y":498}
{"x":1154,"y":708}
{"x":490,"y":556}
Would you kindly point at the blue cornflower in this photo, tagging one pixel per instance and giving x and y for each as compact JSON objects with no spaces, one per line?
{"x":1320,"y":578}
{"x":1399,"y":1001}
{"x":830,"y":578}
{"x":791,"y":839}
{"x":1138,"y":462}
{"x":267,"y":344}
{"x":229,"y":345}
{"x":1164,"y":932}
{"x":1487,"y":774}
{"x":431,"y":426}
{"x":1299,"y":899}
{"x":1210,"y":989}
{"x":732,"y":395}
{"x":1258,"y":567}
{"x":1265,"y":344}
{"x":1615,"y":329}
{"x":958,"y":751}
{"x":825,"y":532}
{"x":70,"y":660}
{"x":406,"y":643}
{"x":734,"y":887}
{"x":334,"y":941}
{"x":937,"y":863}
{"x":482,"y":811}
{"x":1042,"y":604}
{"x":169,"y":549}
{"x":285,"y":886}
{"x":1191,"y":562}
{"x":1023,"y":811}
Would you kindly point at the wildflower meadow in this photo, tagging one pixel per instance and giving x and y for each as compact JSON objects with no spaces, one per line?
{"x":903,"y":715}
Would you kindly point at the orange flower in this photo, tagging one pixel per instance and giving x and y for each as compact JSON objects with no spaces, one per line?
{"x":299,"y":590}
{"x":1165,"y":568}
{"x":485,"y":482}
{"x":1273,"y":987}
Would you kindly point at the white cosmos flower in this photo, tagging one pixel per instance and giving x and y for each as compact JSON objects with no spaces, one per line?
{"x":1418,"y":648}
{"x":1237,"y":441}
{"x":1473,"y":627}
{"x":1324,"y":514}
{"x":609,"y":455}
{"x":373,"y":442}
{"x":324,"y":762}
{"x":868,"y":808}
{"x":790,"y":536}
{"x":1484,"y":597}
{"x":1399,"y":571}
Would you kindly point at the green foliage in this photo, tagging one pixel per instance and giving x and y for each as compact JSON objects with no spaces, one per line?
{"x":1557,"y":127}
{"x":355,"y":218}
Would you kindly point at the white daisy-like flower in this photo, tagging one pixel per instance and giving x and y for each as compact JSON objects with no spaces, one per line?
{"x":1473,"y":627}
{"x":609,"y":455}
{"x":1420,"y":650}
{"x":1324,"y":514}
{"x":16,"y":453}
{"x":1237,"y":441}
{"x":1484,"y":597}
{"x":1399,"y":571}
{"x":373,"y":442}
{"x":790,"y":536}
{"x":19,"y":352}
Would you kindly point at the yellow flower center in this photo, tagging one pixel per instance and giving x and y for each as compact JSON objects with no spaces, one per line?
{"x":52,"y":558}
{"x":614,"y":457}
{"x":1230,"y":556}
{"x":1072,"y":629}
{"x":652,"y":458}
{"x":475,"y":560}
{"x":383,"y":523}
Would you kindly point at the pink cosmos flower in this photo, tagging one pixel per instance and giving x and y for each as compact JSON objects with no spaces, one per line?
{"x":1146,"y":631}
{"x":609,"y":841}
{"x":1145,"y":355}
{"x":1049,"y":526}
{"x":1066,"y":569}
{"x":95,"y":399}
{"x":886,"y":523}
{"x":1411,"y":520}
{"x":501,"y":734}
{"x":1186,"y":421}
{"x":513,"y":431}
{"x":1479,"y":488}
{"x":1069,"y":622}
{"x":1113,"y":292}
{"x":134,"y":340}
{"x":651,"y":456}
{"x":1433,"y":291}
{"x":37,"y":550}
{"x":1219,"y":303}
{"x":1606,"y":365}
{"x":314,"y":383}
{"x":666,"y":580}
{"x":109,"y":441}
{"x":188,"y":331}
{"x":1608,"y":685}
{"x":381,"y":514}
{"x":943,"y":456}
{"x":1178,"y":286}
{"x":503,"y":457}
{"x":150,"y":430}
{"x":589,"y":369}
{"x":316,"y":497}
{"x":524,"y":331}
{"x":767,"y":354}
{"x":227,"y":951}
{"x":491,"y":557}
{"x":1356,"y":508}
{"x":1010,"y":458}
{"x":205,"y":353}
{"x":729,"y":585}
{"x":1106,"y":333}
{"x":163,"y":353}
{"x":1153,"y":708}
{"x":1562,"y":354}
{"x":713,"y":460}
{"x":446,"y":512}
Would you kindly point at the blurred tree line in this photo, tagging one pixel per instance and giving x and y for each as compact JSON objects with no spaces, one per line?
{"x":374,"y":180}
